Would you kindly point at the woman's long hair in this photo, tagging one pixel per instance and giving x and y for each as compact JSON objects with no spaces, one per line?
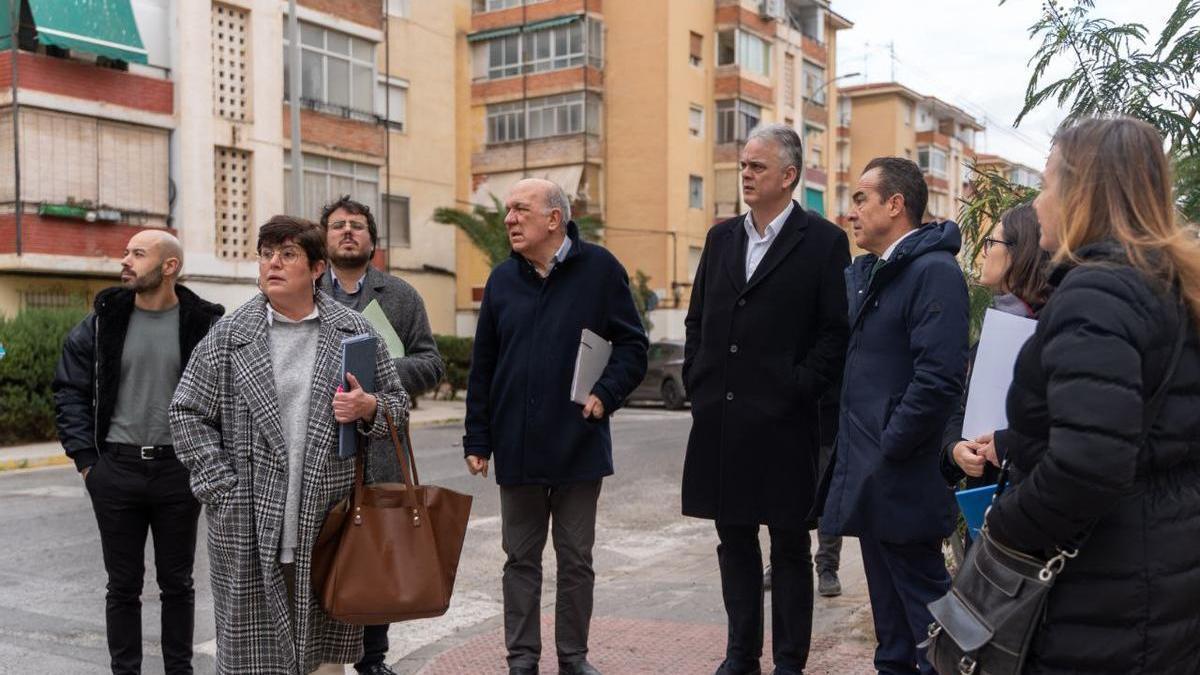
{"x":1027,"y":262}
{"x":1114,"y":181}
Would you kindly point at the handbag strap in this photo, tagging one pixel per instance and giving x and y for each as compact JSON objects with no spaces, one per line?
{"x":1151,"y":411}
{"x":408,"y":461}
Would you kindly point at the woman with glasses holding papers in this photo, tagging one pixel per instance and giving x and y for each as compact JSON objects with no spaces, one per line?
{"x":255,"y":420}
{"x":1014,"y":268}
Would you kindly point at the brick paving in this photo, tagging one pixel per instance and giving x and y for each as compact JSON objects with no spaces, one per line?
{"x":622,"y":646}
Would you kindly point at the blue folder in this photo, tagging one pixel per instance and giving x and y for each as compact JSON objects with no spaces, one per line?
{"x":358,"y":357}
{"x":974,"y":503}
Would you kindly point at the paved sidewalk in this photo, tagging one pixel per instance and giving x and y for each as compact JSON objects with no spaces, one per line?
{"x":37,"y":455}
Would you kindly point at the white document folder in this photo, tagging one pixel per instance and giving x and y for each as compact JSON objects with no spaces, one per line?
{"x":1002,"y":337}
{"x":589,"y":365}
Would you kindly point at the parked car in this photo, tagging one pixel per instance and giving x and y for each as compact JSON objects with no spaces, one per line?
{"x":664,"y":376}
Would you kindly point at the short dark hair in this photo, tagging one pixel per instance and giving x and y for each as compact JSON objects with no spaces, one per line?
{"x":903,"y":177}
{"x":353,"y":208}
{"x":1028,"y":264}
{"x":303,"y":233}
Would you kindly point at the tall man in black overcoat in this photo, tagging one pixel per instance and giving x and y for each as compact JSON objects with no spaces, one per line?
{"x":766,"y":337}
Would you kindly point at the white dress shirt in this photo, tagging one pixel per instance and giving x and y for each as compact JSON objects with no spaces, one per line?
{"x":756,"y":246}
{"x":887,"y":255}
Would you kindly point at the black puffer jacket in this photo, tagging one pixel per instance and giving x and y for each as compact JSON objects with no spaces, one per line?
{"x":1130,"y":603}
{"x":89,"y":371}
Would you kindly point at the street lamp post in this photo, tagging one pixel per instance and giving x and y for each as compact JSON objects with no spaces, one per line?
{"x":804,"y":169}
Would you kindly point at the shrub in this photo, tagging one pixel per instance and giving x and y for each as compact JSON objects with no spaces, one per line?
{"x":32,"y":342}
{"x":456,"y":355}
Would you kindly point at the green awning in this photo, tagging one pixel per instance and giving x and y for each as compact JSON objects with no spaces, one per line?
{"x":103,"y":27}
{"x":551,"y":23}
{"x":493,"y":33}
{"x":814,"y":200}
{"x":529,"y":27}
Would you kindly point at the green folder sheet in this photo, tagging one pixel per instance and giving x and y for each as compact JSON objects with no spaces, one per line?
{"x":374,"y":314}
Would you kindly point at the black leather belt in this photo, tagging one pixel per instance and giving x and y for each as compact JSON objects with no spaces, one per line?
{"x":142,"y":451}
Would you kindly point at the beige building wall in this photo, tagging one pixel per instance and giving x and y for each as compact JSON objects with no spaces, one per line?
{"x":420,"y":52}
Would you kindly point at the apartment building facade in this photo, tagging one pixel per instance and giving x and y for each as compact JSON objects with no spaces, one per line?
{"x":889,"y":119}
{"x":1014,"y":172}
{"x":639,"y":111}
{"x":213,"y":158}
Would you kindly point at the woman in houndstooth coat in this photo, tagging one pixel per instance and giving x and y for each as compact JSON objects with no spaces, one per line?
{"x":232,"y":417}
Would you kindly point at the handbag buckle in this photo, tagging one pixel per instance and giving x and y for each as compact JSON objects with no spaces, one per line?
{"x":967,"y":665}
{"x":1055,"y":565}
{"x":416,"y":518}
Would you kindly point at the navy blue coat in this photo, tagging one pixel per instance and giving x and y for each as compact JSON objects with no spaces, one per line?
{"x":519,"y":408}
{"x":905,"y":369}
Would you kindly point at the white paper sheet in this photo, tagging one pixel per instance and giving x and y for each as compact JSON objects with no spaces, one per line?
{"x":1002,"y":337}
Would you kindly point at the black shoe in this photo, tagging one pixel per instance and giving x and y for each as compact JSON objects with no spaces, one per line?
{"x":375,"y":669}
{"x":784,"y":671}
{"x":577,"y":668}
{"x":727,"y":668}
{"x":523,"y":670}
{"x":828,"y":585}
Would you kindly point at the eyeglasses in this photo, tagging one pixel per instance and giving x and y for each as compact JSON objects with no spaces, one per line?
{"x":356,"y":225}
{"x":989,"y":242}
{"x":290,"y":255}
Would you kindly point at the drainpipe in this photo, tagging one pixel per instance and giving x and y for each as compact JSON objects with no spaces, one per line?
{"x":294,"y":104}
{"x":14,"y":24}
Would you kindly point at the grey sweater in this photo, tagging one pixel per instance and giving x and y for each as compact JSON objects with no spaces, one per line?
{"x":293,"y":357}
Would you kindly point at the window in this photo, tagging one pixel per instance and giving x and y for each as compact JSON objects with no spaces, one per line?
{"x":735,"y":119}
{"x":814,"y":83}
{"x":391,"y":102}
{"x":789,"y":80}
{"x":695,"y":192}
{"x":695,"y":55}
{"x":505,"y":122}
{"x":229,"y":62}
{"x":908,"y":114}
{"x":336,"y":70}
{"x":543,"y":117}
{"x":504,"y":57}
{"x":396,"y":215}
{"x":325,"y":179}
{"x":744,"y":49}
{"x":494,"y":5}
{"x":932,"y":160}
{"x":546,"y":49}
{"x":232,"y":200}
{"x":398,"y":8}
{"x":696,"y":121}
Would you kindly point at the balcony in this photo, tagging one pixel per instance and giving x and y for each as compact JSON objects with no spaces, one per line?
{"x":50,"y":80}
{"x":540,"y":152}
{"x":532,"y":11}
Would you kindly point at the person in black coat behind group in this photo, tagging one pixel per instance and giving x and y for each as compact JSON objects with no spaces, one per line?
{"x":766,"y":337}
{"x":1130,"y":602}
{"x":1014,"y":267}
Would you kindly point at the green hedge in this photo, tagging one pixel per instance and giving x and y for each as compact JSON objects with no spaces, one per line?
{"x":456,"y":355}
{"x":33,"y":341}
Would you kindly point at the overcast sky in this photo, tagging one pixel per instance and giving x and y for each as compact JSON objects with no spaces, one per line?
{"x":972,"y":53}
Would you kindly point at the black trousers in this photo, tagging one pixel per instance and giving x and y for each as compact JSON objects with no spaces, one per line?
{"x":526,"y":512}
{"x":901,"y":580}
{"x":132,"y":497}
{"x":375,"y":646}
{"x":740,"y":558}
{"x":829,"y":547}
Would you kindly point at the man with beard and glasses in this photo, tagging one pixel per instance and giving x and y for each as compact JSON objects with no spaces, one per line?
{"x":118,"y":371}
{"x":351,"y":238}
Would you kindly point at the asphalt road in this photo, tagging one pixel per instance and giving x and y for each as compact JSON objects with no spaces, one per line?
{"x":52,"y":577}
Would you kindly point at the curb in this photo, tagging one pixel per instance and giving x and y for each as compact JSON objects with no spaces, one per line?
{"x":24,"y":463}
{"x":33,"y":463}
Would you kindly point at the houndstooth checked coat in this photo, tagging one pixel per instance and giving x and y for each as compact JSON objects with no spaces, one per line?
{"x":226,"y":424}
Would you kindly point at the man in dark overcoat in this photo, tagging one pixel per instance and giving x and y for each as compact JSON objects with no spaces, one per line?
{"x":766,"y":337}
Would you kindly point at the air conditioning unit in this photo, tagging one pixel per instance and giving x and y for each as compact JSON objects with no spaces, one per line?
{"x":770,"y":9}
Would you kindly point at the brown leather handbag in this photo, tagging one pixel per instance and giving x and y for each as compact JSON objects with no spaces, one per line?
{"x":390,"y":551}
